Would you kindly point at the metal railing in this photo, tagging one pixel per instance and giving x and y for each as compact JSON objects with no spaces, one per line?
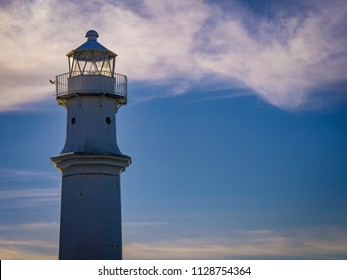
{"x":91,"y":82}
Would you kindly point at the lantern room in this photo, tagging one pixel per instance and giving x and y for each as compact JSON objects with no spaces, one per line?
{"x":91,"y":72}
{"x":91,"y":58}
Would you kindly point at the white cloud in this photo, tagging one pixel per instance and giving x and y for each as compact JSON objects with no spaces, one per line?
{"x":282,"y":59}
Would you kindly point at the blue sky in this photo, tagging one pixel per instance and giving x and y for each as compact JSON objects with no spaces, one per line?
{"x":236,"y":125}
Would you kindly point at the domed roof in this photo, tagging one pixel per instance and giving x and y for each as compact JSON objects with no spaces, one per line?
{"x":91,"y":45}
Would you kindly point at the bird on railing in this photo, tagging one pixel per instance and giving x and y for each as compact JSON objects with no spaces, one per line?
{"x":52,"y":82}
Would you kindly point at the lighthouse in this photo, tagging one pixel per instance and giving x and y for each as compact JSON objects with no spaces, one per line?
{"x":90,"y":161}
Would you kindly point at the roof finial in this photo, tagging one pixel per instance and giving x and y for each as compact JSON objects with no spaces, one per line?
{"x":92,"y":35}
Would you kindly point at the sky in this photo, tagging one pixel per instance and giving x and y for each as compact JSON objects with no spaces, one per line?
{"x":236,"y":123}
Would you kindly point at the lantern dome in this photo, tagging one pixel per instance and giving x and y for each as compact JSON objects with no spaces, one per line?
{"x":91,"y":58}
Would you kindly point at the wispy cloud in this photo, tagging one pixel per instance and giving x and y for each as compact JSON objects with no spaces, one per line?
{"x":259,"y":244}
{"x":283,"y":59}
{"x":27,"y":249}
{"x":20,"y":254}
{"x":41,"y":226}
{"x":29,"y":241}
{"x":309,"y":243}
{"x":16,"y":188}
{"x":145,"y":224}
{"x":12,"y":174}
{"x":30,"y":197}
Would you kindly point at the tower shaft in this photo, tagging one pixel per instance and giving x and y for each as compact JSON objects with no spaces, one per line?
{"x":90,"y":224}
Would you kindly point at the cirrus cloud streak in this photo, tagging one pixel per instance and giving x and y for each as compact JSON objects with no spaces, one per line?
{"x":257,"y":244}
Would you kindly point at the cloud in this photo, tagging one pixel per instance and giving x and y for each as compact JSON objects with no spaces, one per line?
{"x":18,"y":254}
{"x":145,"y":224}
{"x":37,"y":240}
{"x":27,"y":250}
{"x":30,"y":197}
{"x":12,"y":174}
{"x":17,"y":191}
{"x":256,"y":244}
{"x":284,"y":59}
{"x":301,"y":243}
{"x":41,"y":226}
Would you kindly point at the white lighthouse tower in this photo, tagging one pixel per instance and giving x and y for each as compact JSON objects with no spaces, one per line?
{"x":91,"y":162}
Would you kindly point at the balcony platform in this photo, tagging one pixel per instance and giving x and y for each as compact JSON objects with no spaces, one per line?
{"x":91,"y":83}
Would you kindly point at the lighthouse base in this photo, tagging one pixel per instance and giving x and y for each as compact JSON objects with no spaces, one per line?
{"x":90,"y":222}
